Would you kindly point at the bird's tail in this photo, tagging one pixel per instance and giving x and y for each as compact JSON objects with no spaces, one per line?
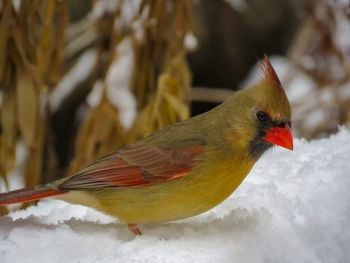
{"x":30,"y":194}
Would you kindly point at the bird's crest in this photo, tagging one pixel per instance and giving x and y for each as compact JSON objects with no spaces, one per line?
{"x":269,"y":72}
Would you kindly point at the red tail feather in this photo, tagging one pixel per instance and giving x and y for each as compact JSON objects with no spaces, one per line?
{"x":28,"y":194}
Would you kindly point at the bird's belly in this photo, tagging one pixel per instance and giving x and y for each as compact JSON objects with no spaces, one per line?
{"x":176,"y":199}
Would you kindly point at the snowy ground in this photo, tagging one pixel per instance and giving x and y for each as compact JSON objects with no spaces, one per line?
{"x":293,"y":207}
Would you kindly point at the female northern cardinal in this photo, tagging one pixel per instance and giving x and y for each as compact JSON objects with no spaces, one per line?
{"x":184,"y":169}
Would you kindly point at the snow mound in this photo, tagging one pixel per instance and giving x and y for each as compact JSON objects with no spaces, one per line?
{"x":293,"y":207}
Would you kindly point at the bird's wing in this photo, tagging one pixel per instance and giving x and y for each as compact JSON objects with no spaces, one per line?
{"x":135,"y":165}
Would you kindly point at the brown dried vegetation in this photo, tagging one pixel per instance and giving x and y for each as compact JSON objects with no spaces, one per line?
{"x":39,"y":47}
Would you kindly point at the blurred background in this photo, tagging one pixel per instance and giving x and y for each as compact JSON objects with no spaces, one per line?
{"x":82,"y":78}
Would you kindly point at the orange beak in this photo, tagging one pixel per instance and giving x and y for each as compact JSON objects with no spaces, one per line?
{"x":281,"y":136}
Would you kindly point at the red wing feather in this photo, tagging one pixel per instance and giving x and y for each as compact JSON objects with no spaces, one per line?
{"x":135,"y":165}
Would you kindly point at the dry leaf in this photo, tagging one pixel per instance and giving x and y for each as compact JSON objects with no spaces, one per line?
{"x":27,"y":107}
{"x":9,"y":129}
{"x":100,"y":133}
{"x":34,"y":165}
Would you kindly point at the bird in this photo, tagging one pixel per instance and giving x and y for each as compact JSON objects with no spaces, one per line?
{"x":184,"y":169}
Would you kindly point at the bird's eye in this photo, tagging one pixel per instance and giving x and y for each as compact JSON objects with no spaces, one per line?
{"x":262,"y":116}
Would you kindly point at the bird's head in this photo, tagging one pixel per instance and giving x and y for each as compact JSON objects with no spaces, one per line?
{"x":260,"y":116}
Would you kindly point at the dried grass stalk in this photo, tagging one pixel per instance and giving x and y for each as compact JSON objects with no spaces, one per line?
{"x":99,"y":134}
{"x":31,"y":39}
{"x":37,"y":53}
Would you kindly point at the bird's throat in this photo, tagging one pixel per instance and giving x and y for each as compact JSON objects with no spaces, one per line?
{"x":258,"y":146}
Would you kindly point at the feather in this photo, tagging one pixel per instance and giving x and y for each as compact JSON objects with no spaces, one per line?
{"x":269,"y":72}
{"x":28,"y":194}
{"x":135,"y":165}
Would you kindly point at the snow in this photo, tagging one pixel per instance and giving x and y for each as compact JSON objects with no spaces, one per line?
{"x":190,"y":41}
{"x":293,"y":207}
{"x":16,"y":4}
{"x":117,"y":84}
{"x":94,"y":98}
